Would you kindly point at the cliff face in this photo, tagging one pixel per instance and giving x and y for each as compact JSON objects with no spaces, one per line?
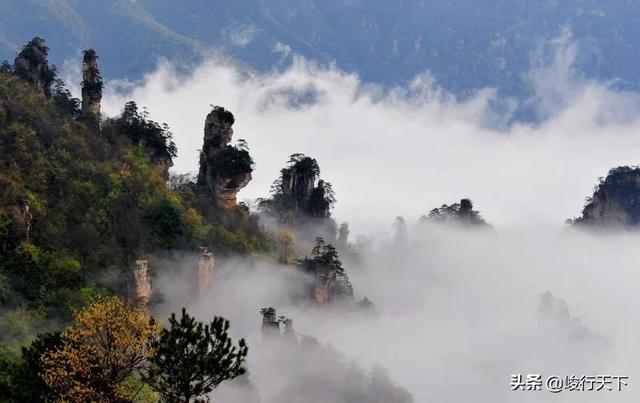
{"x":299,"y":189}
{"x":325,"y":278}
{"x":31,"y":65}
{"x":224,"y":169}
{"x":615,"y":201}
{"x":160,"y":161}
{"x":270,"y":324}
{"x":297,"y":185}
{"x":91,"y":84}
{"x":301,"y":201}
{"x":328,"y":281}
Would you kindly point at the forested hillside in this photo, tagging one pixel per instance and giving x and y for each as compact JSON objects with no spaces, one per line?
{"x":81,"y":200}
{"x":90,"y":213}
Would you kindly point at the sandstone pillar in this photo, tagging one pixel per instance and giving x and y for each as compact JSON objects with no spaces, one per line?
{"x":141,"y":284}
{"x":205,"y":271}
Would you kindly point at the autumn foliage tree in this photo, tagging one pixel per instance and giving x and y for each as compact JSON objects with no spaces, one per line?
{"x":286,"y":243}
{"x":191,"y":358}
{"x":108,"y":342}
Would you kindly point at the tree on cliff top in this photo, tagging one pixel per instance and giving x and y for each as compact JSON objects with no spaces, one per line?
{"x":462,"y":213}
{"x":615,"y":200}
{"x":233,"y":160}
{"x":94,"y":80}
{"x":295,"y":193}
{"x":32,"y":65}
{"x":326,"y":264}
{"x":302,"y":164}
{"x":156,"y":138}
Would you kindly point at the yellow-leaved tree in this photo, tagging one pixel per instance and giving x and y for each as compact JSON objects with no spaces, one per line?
{"x":108,"y":343}
{"x":286,"y":246}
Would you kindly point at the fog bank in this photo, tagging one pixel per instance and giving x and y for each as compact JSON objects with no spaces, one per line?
{"x":457,"y":313}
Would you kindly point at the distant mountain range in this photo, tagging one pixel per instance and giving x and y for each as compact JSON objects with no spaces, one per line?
{"x":465,"y":44}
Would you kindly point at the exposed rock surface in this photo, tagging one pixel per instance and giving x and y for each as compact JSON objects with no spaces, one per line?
{"x":224,"y":169}
{"x":299,"y":187}
{"x":18,"y":227}
{"x":31,"y":65}
{"x":205,"y":272}
{"x":343,"y":236}
{"x":91,"y":84}
{"x":141,"y":292}
{"x":270,"y":323}
{"x":23,"y":221}
{"x":274,"y":325}
{"x":329,"y":282}
{"x":615,"y":201}
{"x":301,"y":201}
{"x":325,"y":277}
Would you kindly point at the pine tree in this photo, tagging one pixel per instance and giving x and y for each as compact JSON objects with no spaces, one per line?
{"x":191,"y":358}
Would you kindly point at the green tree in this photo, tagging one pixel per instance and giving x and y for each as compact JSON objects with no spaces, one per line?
{"x":156,"y":138}
{"x":191,"y":358}
{"x":64,"y":100}
{"x":6,"y":67}
{"x":326,"y":255}
{"x":462,"y":213}
{"x":27,"y":384}
{"x":325,"y":266}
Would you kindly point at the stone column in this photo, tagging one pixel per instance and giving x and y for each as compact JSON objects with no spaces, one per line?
{"x":91,"y":84}
{"x":221,"y":182}
{"x":288,"y":327}
{"x":322,"y":291}
{"x":141,"y":283}
{"x":270,"y":323}
{"x":205,"y":271}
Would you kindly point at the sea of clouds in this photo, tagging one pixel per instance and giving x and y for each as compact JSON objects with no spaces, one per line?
{"x":403,"y":151}
{"x":458,"y":311}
